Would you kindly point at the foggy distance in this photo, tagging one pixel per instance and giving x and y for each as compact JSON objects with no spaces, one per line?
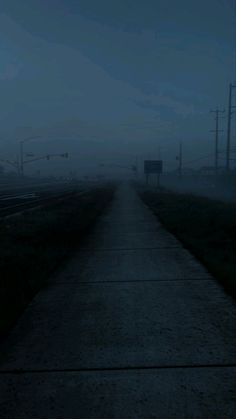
{"x":110,"y":84}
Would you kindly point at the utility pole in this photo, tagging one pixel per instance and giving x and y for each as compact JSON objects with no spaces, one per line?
{"x":21,"y":158}
{"x":217,"y":113}
{"x":179,"y":158}
{"x":230,"y":113}
{"x":135,"y":167}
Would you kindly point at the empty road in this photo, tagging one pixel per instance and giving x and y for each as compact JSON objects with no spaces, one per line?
{"x":18,"y":197}
{"x":133,"y":327}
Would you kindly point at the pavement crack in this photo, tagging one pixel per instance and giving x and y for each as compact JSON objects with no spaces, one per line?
{"x":133,"y":280}
{"x":126,"y":249}
{"x":114,"y":369}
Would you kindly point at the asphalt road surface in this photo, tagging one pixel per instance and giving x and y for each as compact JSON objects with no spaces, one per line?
{"x":134,"y":327}
{"x":18,"y":197}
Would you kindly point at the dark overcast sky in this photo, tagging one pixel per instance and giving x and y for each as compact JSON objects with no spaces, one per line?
{"x":132,"y":73}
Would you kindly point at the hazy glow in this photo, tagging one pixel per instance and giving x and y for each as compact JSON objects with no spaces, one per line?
{"x":127,"y":77}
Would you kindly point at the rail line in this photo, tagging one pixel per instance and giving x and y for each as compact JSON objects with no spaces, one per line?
{"x":10,"y":210}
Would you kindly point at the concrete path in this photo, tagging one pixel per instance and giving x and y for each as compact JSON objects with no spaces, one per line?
{"x":133,"y":328}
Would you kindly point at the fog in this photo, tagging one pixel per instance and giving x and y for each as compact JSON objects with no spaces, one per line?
{"x":117,"y":278}
{"x":114,"y":83}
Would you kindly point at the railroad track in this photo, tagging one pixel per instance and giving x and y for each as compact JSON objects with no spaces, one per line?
{"x":34,"y":202}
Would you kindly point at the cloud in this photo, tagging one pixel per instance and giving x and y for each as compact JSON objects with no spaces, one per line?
{"x":59,"y":91}
{"x":156,"y":102}
{"x":10,"y":71}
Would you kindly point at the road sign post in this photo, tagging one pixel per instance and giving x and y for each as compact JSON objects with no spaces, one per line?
{"x":153,"y":167}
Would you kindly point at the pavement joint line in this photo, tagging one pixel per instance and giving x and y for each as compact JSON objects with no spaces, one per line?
{"x":124,"y":249}
{"x":114,"y":369}
{"x":130,"y":281}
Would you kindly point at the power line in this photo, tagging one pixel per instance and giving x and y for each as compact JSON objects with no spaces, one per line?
{"x":200,"y":158}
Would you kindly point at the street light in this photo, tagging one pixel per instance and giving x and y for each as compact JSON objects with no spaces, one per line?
{"x":22,"y":152}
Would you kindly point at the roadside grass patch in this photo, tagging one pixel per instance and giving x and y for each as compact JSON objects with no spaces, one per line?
{"x":35,"y":244}
{"x":206,"y":227}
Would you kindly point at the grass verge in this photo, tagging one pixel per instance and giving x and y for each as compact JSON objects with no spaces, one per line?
{"x":206,"y":227}
{"x":35,"y":244}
